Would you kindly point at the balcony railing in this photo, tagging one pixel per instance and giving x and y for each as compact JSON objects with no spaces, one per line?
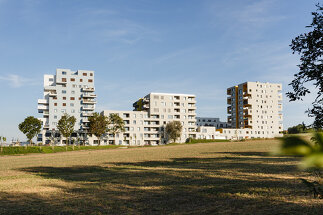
{"x":88,"y":89}
{"x":89,"y":101}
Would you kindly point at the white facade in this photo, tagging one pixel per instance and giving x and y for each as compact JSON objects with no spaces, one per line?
{"x":256,"y":108}
{"x":212,"y":122}
{"x":67,"y":92}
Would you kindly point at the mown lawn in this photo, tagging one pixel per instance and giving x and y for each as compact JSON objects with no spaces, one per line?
{"x":207,"y":178}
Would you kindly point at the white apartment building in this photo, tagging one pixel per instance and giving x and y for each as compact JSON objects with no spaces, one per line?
{"x":167,"y":107}
{"x":70,"y":92}
{"x":211,"y":121}
{"x":256,"y":108}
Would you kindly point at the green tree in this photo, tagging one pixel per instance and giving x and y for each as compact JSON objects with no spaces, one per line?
{"x":115,"y":124}
{"x":174,"y":130}
{"x":98,"y":125}
{"x":312,"y":153}
{"x":30,"y":127}
{"x":310,"y":47}
{"x":66,"y":127}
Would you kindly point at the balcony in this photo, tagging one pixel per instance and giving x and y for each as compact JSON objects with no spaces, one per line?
{"x":89,"y":101}
{"x":229,"y":109}
{"x":86,"y":114}
{"x":229,"y":119}
{"x":88,"y":108}
{"x":52,"y":93}
{"x":42,"y":107}
{"x":46,"y":125}
{"x":246,"y":95}
{"x":42,"y":101}
{"x":85,"y":120}
{"x":49,"y":88}
{"x":229,"y":101}
{"x":88,"y":89}
{"x":229,"y":92}
{"x":87,"y":95}
{"x":246,"y":104}
{"x":46,"y":113}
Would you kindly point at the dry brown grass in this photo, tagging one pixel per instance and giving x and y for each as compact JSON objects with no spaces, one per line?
{"x":209,"y":178}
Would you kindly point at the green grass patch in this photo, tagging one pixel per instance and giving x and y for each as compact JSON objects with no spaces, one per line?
{"x":16,"y":150}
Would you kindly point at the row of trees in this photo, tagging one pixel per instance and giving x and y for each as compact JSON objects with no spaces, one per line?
{"x":98,"y":125}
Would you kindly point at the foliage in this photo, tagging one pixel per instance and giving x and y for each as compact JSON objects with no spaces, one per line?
{"x":312,"y":153}
{"x":174,"y":130}
{"x":310,"y":47}
{"x":66,"y":126}
{"x":300,"y":128}
{"x":30,"y":127}
{"x":191,"y":140}
{"x":98,"y":124}
{"x":115,"y":124}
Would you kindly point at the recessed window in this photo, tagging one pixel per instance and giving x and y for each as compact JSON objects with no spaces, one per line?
{"x":63,"y":79}
{"x":90,"y":80}
{"x":64,"y":98}
{"x":72,"y":79}
{"x":72,"y":98}
{"x":64,"y":91}
{"x":84,"y":74}
{"x":63,"y":73}
{"x":81,"y":80}
{"x":55,"y":104}
{"x":64,"y":104}
{"x":91,"y":74}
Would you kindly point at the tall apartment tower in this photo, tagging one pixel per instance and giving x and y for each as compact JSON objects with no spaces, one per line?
{"x":67,"y":92}
{"x":257,"y":106}
{"x":166,"y":107}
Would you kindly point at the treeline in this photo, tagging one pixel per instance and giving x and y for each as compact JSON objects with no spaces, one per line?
{"x":301,"y":128}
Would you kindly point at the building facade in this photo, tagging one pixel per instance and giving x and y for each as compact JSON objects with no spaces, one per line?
{"x":67,"y":92}
{"x":167,"y":107}
{"x":257,"y":107}
{"x":211,"y":121}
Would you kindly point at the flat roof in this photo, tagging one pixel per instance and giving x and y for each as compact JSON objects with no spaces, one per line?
{"x":171,"y":94}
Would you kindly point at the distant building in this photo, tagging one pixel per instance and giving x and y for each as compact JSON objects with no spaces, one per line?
{"x":212,"y":122}
{"x":256,"y":107}
{"x":70,"y":92}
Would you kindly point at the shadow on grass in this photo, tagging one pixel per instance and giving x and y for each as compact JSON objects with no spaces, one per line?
{"x":226,"y":185}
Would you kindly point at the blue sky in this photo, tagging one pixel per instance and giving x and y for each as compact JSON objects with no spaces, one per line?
{"x":141,"y":46}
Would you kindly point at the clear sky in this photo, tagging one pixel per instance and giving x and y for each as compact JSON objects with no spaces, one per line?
{"x":140,"y":46}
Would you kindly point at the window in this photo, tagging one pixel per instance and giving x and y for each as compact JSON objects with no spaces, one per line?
{"x":55,"y":116}
{"x":72,"y":104}
{"x":63,"y":110}
{"x":90,"y":80}
{"x":84,"y":74}
{"x":64,"y":98}
{"x":63,"y":73}
{"x":63,"y":79}
{"x":74,"y":85}
{"x":91,"y":74}
{"x":72,"y":79}
{"x":72,"y":98}
{"x":134,"y":122}
{"x":72,"y":111}
{"x":55,"y":110}
{"x":64,"y":91}
{"x":55,"y":104}
{"x":81,"y":80}
{"x":64,"y":104}
{"x":170,"y":116}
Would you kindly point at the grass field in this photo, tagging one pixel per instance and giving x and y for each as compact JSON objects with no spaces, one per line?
{"x":208,"y":178}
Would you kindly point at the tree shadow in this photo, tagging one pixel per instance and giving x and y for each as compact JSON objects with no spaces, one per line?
{"x":226,"y":185}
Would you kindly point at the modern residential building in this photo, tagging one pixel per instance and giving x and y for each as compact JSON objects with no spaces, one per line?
{"x":257,"y":107}
{"x":212,"y":122}
{"x":167,"y":107}
{"x":70,"y":92}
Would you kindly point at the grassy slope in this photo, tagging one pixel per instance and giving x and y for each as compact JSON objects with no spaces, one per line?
{"x":209,"y":178}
